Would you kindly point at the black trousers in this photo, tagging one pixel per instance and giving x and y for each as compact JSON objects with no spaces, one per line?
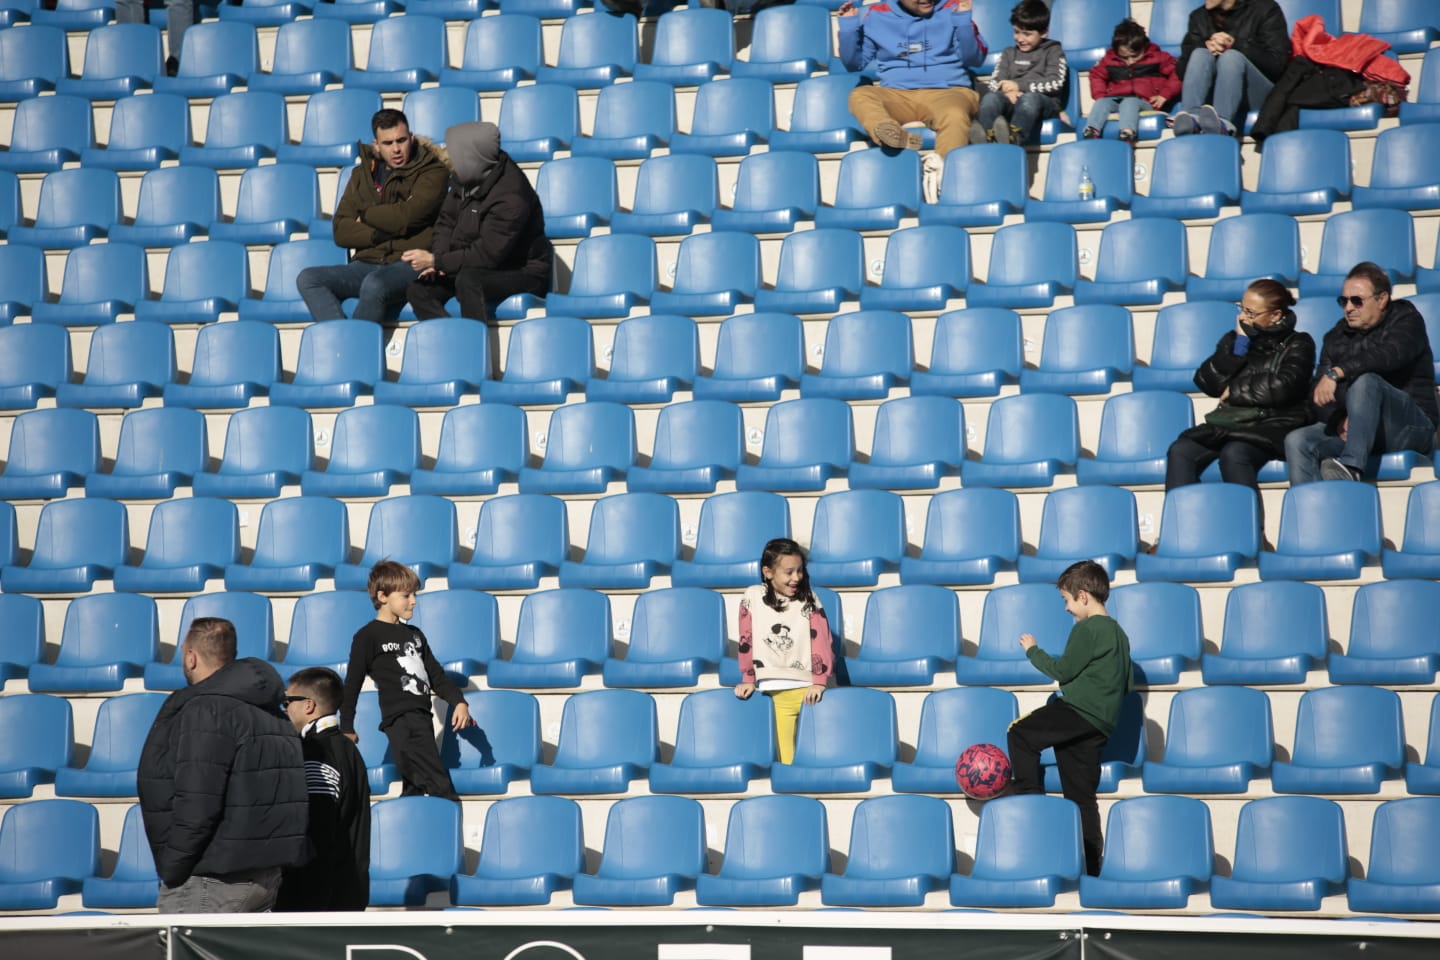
{"x":412,"y":746}
{"x":1240,"y":462}
{"x":477,"y":289}
{"x":1077,"y":755}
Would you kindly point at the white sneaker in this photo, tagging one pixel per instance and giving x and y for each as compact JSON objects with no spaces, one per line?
{"x":931,"y":168}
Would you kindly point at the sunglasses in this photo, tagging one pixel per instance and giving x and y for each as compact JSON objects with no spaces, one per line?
{"x":1356,"y":302}
{"x":289,"y":700}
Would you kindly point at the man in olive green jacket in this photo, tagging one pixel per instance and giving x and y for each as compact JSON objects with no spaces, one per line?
{"x":389,"y":206}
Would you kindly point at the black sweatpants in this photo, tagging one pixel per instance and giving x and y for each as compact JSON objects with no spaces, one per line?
{"x":478,"y":290}
{"x":412,"y":746}
{"x":1077,"y":746}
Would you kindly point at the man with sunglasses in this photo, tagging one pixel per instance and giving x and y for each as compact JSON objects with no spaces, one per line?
{"x":1374,"y":390}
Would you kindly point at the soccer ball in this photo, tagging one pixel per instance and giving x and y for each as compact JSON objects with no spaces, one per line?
{"x":983,"y":771}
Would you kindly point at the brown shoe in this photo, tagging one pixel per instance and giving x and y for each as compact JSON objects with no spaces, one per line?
{"x":890,"y":134}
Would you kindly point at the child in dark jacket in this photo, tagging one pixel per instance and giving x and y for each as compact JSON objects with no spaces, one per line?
{"x":1133,"y":74}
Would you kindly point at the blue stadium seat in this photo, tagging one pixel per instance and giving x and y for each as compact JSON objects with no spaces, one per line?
{"x":266,"y":448}
{"x":1409,"y":26}
{"x":775,"y":848}
{"x":1327,"y":10}
{"x":1083,"y":26}
{"x":241,"y":129}
{"x":692,"y":46}
{"x":789,"y":44}
{"x":744,"y":374}
{"x":1010,"y":611}
{"x":435,"y":110}
{"x":1384,"y":236}
{"x":1425,"y":777}
{"x":233,"y":363}
{"x":357,"y":11}
{"x":820,"y":118}
{"x":444,"y":359}
{"x":1159,"y":851}
{"x":1136,"y":429}
{"x":807,"y":442}
{"x":1425,"y":108}
{"x":653,"y":356}
{"x":120,"y":59}
{"x":654,"y":848}
{"x":128,"y":362}
{"x":1275,"y":632}
{"x":1419,"y":555}
{"x":371,"y":449}
{"x":463,"y":627}
{"x":633,"y":538}
{"x":340,"y":360}
{"x":865,"y":354}
{"x":876,"y":190}
{"x":518,"y":540}
{"x":971,"y":534}
{"x":41,"y":741}
{"x":917,"y":441}
{"x":267,"y":13}
{"x":1086,"y":349}
{"x":76,"y":207}
{"x":202,"y":280}
{"x":1328,"y":531}
{"x":607,"y":739}
{"x":48,"y":132}
{"x":1301,"y":172}
{"x":588,"y":446}
{"x":143,"y":132}
{"x":733,"y":530}
{"x":133,"y":882}
{"x":50,"y":452}
{"x":910,"y":633}
{"x":417,"y":530}
{"x":31,"y":61}
{"x":901,"y":848}
{"x":321,"y":628}
{"x":254,"y":630}
{"x":9,"y":542}
{"x":16,"y":11}
{"x":1216,"y":741}
{"x":857,"y":536}
{"x":101,"y":282}
{"x":536,"y":121}
{"x":1030,"y":264}
{"x":1192,"y":178}
{"x":415,"y":849}
{"x":275,"y":201}
{"x":578,"y":195}
{"x":76,"y":543}
{"x":336,"y":121}
{"x":404,"y":53}
{"x":842,"y":744}
{"x":120,"y":728}
{"x":481,"y":446}
{"x":1185,"y":334}
{"x":657,"y":655}
{"x":1139,"y":262}
{"x":1394,"y":179}
{"x":1192,"y":546}
{"x":1290,"y":853}
{"x":612,"y":274}
{"x":1401,"y":878}
{"x":47,"y":849}
{"x":819,"y":270}
{"x":1029,"y":439}
{"x":1122,"y":757}
{"x":1110,"y":164}
{"x":1244,"y":248}
{"x":160,"y":449}
{"x":531,"y":847}
{"x":992,"y":182}
{"x":1391,"y":639}
{"x":499,"y":52}
{"x":594,"y":52}
{"x":697,"y":444}
{"x":1027,"y":852}
{"x":672,"y":195}
{"x":950,"y":721}
{"x":974,"y":352}
{"x":309,"y":54}
{"x":23,"y":279}
{"x":218,"y":56}
{"x":502,"y":746}
{"x":190,"y":541}
{"x":34,"y":360}
{"x":1163,"y":623}
{"x":176,"y":204}
{"x":1347,"y":740}
{"x":774,"y":191}
{"x":562,"y":636}
{"x":925,"y":267}
{"x":1096,"y":522}
{"x":722,"y":743}
{"x":728,"y":118}
{"x":24,"y":643}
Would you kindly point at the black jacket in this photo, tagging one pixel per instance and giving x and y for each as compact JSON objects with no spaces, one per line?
{"x":338,"y":877}
{"x":1304,"y":84}
{"x":1258,"y":27}
{"x":1397,"y":348}
{"x":1269,"y":387}
{"x":222,"y":778}
{"x":495,"y":225}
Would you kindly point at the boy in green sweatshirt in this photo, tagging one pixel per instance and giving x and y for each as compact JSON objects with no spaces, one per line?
{"x":1094,"y":675}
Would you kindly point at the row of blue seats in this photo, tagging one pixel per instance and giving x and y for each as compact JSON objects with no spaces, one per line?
{"x":1290,"y":853}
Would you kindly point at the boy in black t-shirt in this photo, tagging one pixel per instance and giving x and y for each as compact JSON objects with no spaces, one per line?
{"x":398,"y":658}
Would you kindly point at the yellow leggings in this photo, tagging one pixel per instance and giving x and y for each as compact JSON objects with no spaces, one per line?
{"x":787,"y":716}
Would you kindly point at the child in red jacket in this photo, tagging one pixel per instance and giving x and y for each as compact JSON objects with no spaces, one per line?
{"x":1133,"y":74}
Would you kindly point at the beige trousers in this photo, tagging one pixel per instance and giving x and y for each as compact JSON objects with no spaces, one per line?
{"x":948,"y":111}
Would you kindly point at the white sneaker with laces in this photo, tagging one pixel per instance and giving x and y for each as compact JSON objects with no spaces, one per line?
{"x":931,"y":168}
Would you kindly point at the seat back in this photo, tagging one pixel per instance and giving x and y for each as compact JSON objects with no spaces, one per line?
{"x":33,"y":352}
{"x":1032,"y":608}
{"x":539,"y":111}
{"x":1027,"y":836}
{"x":1082,"y":522}
{"x":73,"y":532}
{"x":1192,"y":166}
{"x":1188,"y":527}
{"x":1275,"y":618}
{"x":302,"y":530}
{"x":1084,"y":26}
{"x":777,"y":180}
{"x":738,"y":105}
{"x":1284,"y":839}
{"x":161,"y":439}
{"x":40,"y":732}
{"x":37,"y":52}
{"x":506,"y":40}
{"x":1186,"y":333}
{"x":872,"y":178}
{"x":1395,"y":618}
{"x":1403,"y":832}
{"x":1320,"y":518}
{"x":1161,"y":619}
{"x":483,"y":435}
{"x":595,"y":43}
{"x":675,"y":183}
{"x":634,"y":527}
{"x":121,"y":726}
{"x":415,"y":836}
{"x":603,"y":727}
{"x":313,"y":46}
{"x":653,"y":637}
{"x":23,"y":641}
{"x":699,"y":433}
{"x":1034,"y":252}
{"x":994,"y":172}
{"x":220,"y":47}
{"x":382,"y":437}
{"x":634,"y":109}
{"x":910,"y":621}
{"x":977,"y":340}
{"x":614,"y":263}
{"x":695,"y":35}
{"x":459,"y":624}
{"x":776,"y":836}
{"x":130,"y":352}
{"x":927,"y":256}
{"x":812,"y":430}
{"x":573,"y":185}
{"x":202,"y":530}
{"x":1304,"y":160}
{"x":1422,"y":519}
{"x":951,"y":720}
{"x":402,"y":43}
{"x":1254,"y":245}
{"x":716,"y":729}
{"x":653,"y":346}
{"x":1141,"y":249}
{"x":736,"y":526}
{"x":1036,"y":426}
{"x":80,"y":196}
{"x":972,"y":522}
{"x":546,"y":347}
{"x":919,"y":430}
{"x":339,"y":116}
{"x":1153,"y":838}
{"x":134,"y":860}
{"x":563,"y":624}
{"x":856,"y":524}
{"x":162,"y":119}
{"x":46,"y":123}
{"x":1210,"y":726}
{"x":901,"y":836}
{"x":58,"y":439}
{"x":791,"y":33}
{"x":868,"y":342}
{"x":261,"y":439}
{"x":217,"y":268}
{"x":1344,"y":726}
{"x":435,"y":110}
{"x":506,"y":730}
{"x":1384,"y":236}
{"x":594,"y":434}
{"x":653,"y":836}
{"x":850,"y":725}
{"x":1141,"y":426}
{"x":24,"y":279}
{"x":1090,"y":337}
{"x":104,"y":271}
{"x":816,"y":259}
{"x":1111,"y":165}
{"x":288,"y":259}
{"x":122,"y":50}
{"x":526,"y":836}
{"x":735,"y":356}
{"x":411,"y":529}
{"x":822,"y":104}
{"x":253,"y":117}
{"x":278,"y":191}
{"x":322,"y":625}
{"x":49,"y":838}
{"x":337,"y":351}
{"x":522,"y":527}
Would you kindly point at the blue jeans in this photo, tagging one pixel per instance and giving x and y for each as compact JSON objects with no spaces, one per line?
{"x":1128,"y":107}
{"x":1383,"y":419}
{"x":380,"y":287}
{"x":179,"y":17}
{"x":1230,"y":83}
{"x":1025,"y":113}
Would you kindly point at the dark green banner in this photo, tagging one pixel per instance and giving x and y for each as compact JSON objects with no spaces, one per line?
{"x":1204,"y":945}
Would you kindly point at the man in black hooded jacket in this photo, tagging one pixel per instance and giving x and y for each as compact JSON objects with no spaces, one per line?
{"x":222,"y":782}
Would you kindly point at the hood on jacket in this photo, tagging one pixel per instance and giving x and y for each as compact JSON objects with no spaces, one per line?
{"x":248,"y":680}
{"x":474,"y":151}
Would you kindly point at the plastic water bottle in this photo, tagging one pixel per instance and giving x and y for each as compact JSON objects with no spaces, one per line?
{"x":1087,"y":186}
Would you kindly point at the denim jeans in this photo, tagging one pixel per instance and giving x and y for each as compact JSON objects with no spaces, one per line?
{"x":179,"y":17}
{"x":1230,"y":83}
{"x":1025,"y":113}
{"x":1383,"y":419}
{"x":1128,"y":107}
{"x":380,"y":287}
{"x":251,"y":892}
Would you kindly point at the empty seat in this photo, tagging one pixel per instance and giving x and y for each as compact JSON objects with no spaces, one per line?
{"x":562,"y":636}
{"x":1425,"y":777}
{"x":418,"y":531}
{"x":216,"y":57}
{"x":437,"y":109}
{"x":587,"y":446}
{"x":1394,"y":180}
{"x":733,"y":530}
{"x":729,"y":118}
{"x":24,"y":643}
{"x":47,"y":849}
{"x":76,"y":543}
{"x":120,"y":59}
{"x":357,"y":11}
{"x":1426,"y":106}
{"x":101,"y":282}
{"x":22,"y":272}
{"x":1419,"y":555}
{"x":121,"y":726}
{"x":950,"y":721}
{"x":865,"y":354}
{"x":481,"y":446}
{"x":1328,"y":531}
{"x":499,"y":52}
{"x":76,"y":207}
{"x":444,"y":359}
{"x":133,"y":882}
{"x":339,"y":361}
{"x":1136,"y":429}
{"x":607,"y":739}
{"x":982,"y":190}
{"x":657,"y":654}
{"x":531,"y":847}
{"x":275,"y":201}
{"x":613,"y":273}
{"x":1027,"y":851}
{"x":910,"y":633}
{"x":1246,"y":247}
{"x":901,"y":848}
{"x":31,"y":60}
{"x":202,"y":280}
{"x":269,"y":13}
{"x":415,"y":849}
{"x":50,"y":452}
{"x":1301,"y":172}
{"x":971,"y":534}
{"x":233,"y":363}
{"x":500,"y":747}
{"x":876,"y":189}
{"x":789,"y":44}
{"x":309,"y":54}
{"x":773,"y":192}
{"x":1274,"y":633}
{"x":1010,"y":611}
{"x":266,"y":448}
{"x":1401,"y":878}
{"x":1029,"y":439}
{"x":654,"y":848}
{"x":742,"y":373}
{"x":819,"y":270}
{"x":538,"y":120}
{"x":1030,"y":264}
{"x":697,"y":443}
{"x":463,"y":627}
{"x":176,"y":204}
{"x":820,"y":117}
{"x":1391,"y":640}
{"x":672,"y":195}
{"x":1159,"y":850}
{"x":1162,"y":621}
{"x":633,"y":538}
{"x":127,"y":363}
{"x":159,"y":450}
{"x":143,"y":132}
{"x":1110,"y":165}
{"x":1384,"y":235}
{"x":34,"y":360}
{"x":1347,"y":740}
{"x":692,"y":46}
{"x":1139,"y":262}
{"x":653,"y":356}
{"x":404,"y":53}
{"x":924,"y":268}
{"x":775,"y":848}
{"x":1192,"y":545}
{"x":189,"y":542}
{"x":336,"y":121}
{"x":1185,"y":334}
{"x":41,"y":741}
{"x":518,"y":540}
{"x":722,"y":743}
{"x":254,"y":631}
{"x":371,"y":449}
{"x":1193,"y":178}
{"x":1407,"y":25}
{"x":1290,"y":853}
{"x":917,"y":441}
{"x":578,"y":194}
{"x":631,"y":121}
{"x":241,"y":129}
{"x":1094,"y":522}
{"x":594,"y":52}
{"x":842,"y":744}
{"x":321,"y":628}
{"x":48,"y":132}
{"x":857,"y":536}
{"x":974,"y":352}
{"x":807,"y":442}
{"x":546,"y":359}
{"x":1216,"y":741}
{"x":1086,"y":349}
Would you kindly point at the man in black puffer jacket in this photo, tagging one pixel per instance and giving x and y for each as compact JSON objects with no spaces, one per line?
{"x":222,"y":782}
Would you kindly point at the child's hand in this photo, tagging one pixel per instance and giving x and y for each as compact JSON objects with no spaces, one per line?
{"x":848,"y":9}
{"x":354,"y":737}
{"x":1010,"y":88}
{"x":1157,"y":101}
{"x":460,"y":719}
{"x":814,"y":693}
{"x":1027,"y":640}
{"x":744,"y":690}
